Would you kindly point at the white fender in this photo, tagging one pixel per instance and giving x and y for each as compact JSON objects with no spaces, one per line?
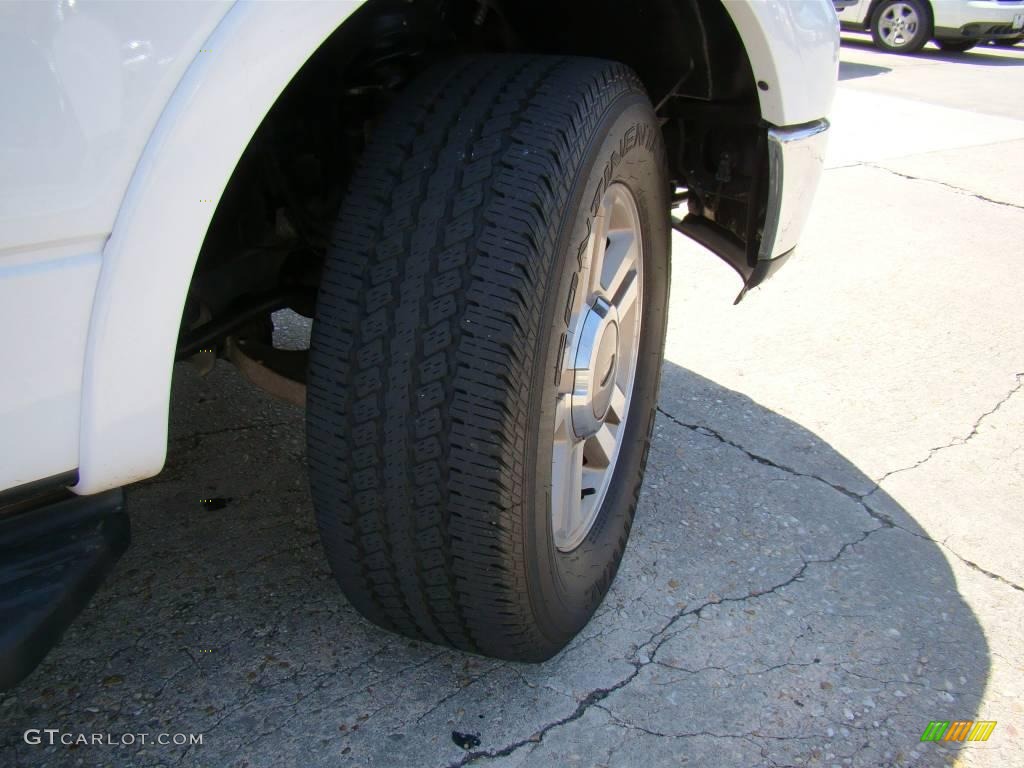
{"x":148,"y":261}
{"x":796,"y":43}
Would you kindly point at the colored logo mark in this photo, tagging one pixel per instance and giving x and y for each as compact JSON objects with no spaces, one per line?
{"x":958,"y":730}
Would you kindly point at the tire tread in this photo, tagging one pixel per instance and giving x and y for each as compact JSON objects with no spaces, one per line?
{"x":425,"y":342}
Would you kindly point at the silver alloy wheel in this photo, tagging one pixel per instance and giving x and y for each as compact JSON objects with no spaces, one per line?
{"x":598,"y":368}
{"x":898,"y":25}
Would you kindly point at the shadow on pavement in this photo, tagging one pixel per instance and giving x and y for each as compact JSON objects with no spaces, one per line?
{"x":984,"y":55}
{"x":850,"y":70}
{"x":764,"y":614}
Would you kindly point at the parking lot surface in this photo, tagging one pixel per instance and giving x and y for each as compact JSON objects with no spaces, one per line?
{"x":827,"y":553}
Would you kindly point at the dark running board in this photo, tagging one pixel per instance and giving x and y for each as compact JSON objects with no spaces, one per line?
{"x":52,"y":560}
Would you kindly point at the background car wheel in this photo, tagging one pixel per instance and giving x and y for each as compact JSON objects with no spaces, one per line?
{"x":486,"y":352}
{"x":903,"y":26}
{"x":957,"y":46}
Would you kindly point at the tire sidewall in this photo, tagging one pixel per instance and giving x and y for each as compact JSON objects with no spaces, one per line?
{"x":566,"y":588}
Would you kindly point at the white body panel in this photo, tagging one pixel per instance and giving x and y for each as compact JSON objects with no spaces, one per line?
{"x":45,"y":301}
{"x":83,"y":85}
{"x":953,"y":14}
{"x":124,"y":138}
{"x":791,"y":43}
{"x":149,"y":260}
{"x":89,"y":83}
{"x":855,"y":14}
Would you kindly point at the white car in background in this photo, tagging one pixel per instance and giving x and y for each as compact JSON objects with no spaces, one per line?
{"x":473,"y":199}
{"x":904,"y":26}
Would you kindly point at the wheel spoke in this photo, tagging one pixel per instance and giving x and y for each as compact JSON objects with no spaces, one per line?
{"x":618,"y":261}
{"x":618,"y":403}
{"x":566,"y":485}
{"x":563,"y":423}
{"x":625,"y":298}
{"x":596,"y":250}
{"x":600,"y":447}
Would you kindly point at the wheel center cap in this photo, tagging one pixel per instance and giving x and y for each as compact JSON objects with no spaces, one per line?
{"x":596,"y":361}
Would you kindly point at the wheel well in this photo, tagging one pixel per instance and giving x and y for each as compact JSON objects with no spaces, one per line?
{"x":264,"y":248}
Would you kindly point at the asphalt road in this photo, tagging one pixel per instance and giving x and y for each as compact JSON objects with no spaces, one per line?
{"x":827,"y":553}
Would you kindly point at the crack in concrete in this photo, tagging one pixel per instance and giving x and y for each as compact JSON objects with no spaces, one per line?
{"x":862,"y":499}
{"x":592,"y":698}
{"x":960,"y":190}
{"x":956,"y":441}
{"x":458,"y":690}
{"x":700,"y":429}
{"x":974,"y":566}
{"x":748,"y":737}
{"x":728,"y":671}
{"x":644,"y":657}
{"x":906,"y":683}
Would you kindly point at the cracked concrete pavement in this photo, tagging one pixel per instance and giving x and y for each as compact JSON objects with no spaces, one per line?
{"x":827,"y":549}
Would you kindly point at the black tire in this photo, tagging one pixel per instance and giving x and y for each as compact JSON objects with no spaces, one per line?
{"x":438,"y":324}
{"x":914,"y":42}
{"x":956,"y":46}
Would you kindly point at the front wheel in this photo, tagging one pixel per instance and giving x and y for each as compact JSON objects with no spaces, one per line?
{"x":956,"y":46}
{"x":486,"y":352}
{"x":901,"y":26}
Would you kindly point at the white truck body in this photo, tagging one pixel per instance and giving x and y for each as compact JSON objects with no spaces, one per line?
{"x":125,"y":122}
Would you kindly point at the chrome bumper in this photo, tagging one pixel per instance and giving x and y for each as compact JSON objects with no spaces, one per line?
{"x":796,"y":157}
{"x":795,"y":160}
